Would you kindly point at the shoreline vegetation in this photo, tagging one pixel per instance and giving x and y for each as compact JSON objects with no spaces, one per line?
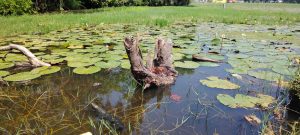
{"x":237,"y":13}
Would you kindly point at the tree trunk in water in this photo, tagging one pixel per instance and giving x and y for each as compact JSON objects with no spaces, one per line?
{"x":157,"y":72}
{"x":34,"y":61}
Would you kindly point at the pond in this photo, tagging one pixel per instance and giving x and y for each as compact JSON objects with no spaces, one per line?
{"x":91,"y":66}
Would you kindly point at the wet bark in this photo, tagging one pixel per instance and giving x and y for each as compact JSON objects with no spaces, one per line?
{"x":158,"y":71}
{"x":33,"y":60}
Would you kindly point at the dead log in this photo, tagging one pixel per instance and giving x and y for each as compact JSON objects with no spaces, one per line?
{"x":34,"y":61}
{"x":115,"y":122}
{"x":158,"y":71}
{"x":203,"y":59}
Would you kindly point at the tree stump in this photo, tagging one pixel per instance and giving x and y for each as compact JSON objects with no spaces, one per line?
{"x":158,"y":71}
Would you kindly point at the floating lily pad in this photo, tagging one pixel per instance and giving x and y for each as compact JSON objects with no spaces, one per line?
{"x":208,"y":64}
{"x":125,"y":64}
{"x":216,"y":41}
{"x":245,"y":101}
{"x":79,"y":64}
{"x":109,"y":64}
{"x":111,"y":57}
{"x":215,"y":82}
{"x":284,"y":70}
{"x":46,"y":70}
{"x":214,"y":57}
{"x":238,"y":70}
{"x":6,"y":65}
{"x":186,"y":64}
{"x":54,"y":61}
{"x":178,"y":56}
{"x":265,"y":75}
{"x":88,"y":70}
{"x":3,"y":73}
{"x":15,"y":57}
{"x":23,"y":76}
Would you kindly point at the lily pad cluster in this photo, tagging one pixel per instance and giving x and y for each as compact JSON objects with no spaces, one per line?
{"x":89,"y":49}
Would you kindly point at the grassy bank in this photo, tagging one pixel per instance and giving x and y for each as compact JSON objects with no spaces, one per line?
{"x":270,"y":14}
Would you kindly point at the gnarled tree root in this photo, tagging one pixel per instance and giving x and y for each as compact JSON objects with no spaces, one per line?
{"x":34,"y":61}
{"x":158,"y":71}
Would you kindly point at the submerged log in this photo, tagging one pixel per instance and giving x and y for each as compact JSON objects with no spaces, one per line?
{"x":34,"y":61}
{"x":203,"y":59}
{"x":102,"y":114}
{"x":158,"y":71}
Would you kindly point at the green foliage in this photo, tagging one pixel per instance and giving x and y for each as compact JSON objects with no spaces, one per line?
{"x":294,"y":84}
{"x":72,"y":4}
{"x":15,"y":7}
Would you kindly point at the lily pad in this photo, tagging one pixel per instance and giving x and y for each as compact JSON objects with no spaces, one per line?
{"x":79,"y":64}
{"x":23,"y":76}
{"x":284,"y":70}
{"x":215,"y":82}
{"x":208,"y":64}
{"x":4,"y":73}
{"x":186,"y":64}
{"x":245,"y":101}
{"x":109,"y":64}
{"x":46,"y":70}
{"x":6,"y":65}
{"x":88,"y":70}
{"x":125,"y":64}
{"x":216,"y":41}
{"x":238,"y":70}
{"x":265,"y":75}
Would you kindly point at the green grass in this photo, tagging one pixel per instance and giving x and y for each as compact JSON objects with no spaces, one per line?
{"x":270,"y":14}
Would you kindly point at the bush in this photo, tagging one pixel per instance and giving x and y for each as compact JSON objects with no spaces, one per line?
{"x":19,"y":7}
{"x":72,"y":4}
{"x":15,"y":7}
{"x":294,"y":85}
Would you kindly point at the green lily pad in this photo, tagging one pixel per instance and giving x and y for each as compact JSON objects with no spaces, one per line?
{"x":215,"y":82}
{"x":187,"y":64}
{"x":46,"y":70}
{"x":3,"y":73}
{"x":284,"y":70}
{"x":88,"y":70}
{"x":265,"y":75}
{"x":245,"y":101}
{"x":125,"y":64}
{"x":208,"y":64}
{"x":111,"y":57}
{"x":15,"y":57}
{"x":238,"y":70}
{"x":178,"y":56}
{"x":79,"y":64}
{"x":23,"y":76}
{"x":216,"y":41}
{"x":109,"y":64}
{"x":6,"y":65}
{"x":54,"y":61}
{"x":215,"y":57}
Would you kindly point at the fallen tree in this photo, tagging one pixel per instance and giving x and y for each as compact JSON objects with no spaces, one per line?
{"x":33,"y":60}
{"x":158,"y":71}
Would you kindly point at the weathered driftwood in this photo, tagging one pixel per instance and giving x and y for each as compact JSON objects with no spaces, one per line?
{"x":204,"y":59}
{"x":158,"y":71}
{"x":34,"y":61}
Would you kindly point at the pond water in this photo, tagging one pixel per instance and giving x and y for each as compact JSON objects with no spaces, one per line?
{"x":253,"y":57}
